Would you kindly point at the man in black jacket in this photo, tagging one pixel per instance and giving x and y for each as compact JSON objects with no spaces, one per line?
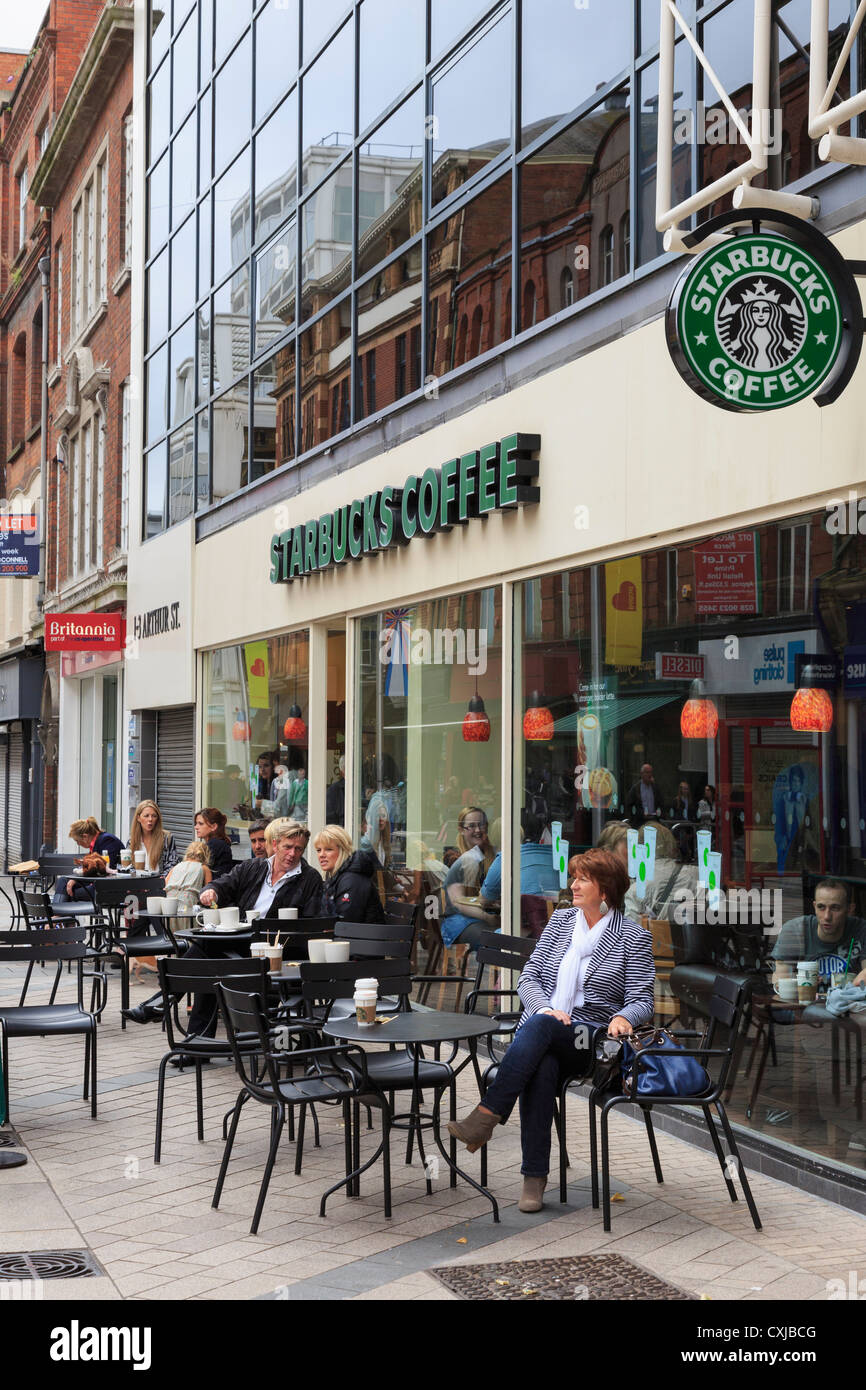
{"x":284,"y":880}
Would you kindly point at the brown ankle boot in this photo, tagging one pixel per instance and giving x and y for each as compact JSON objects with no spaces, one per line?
{"x":532,"y":1194}
{"x":476,"y":1129}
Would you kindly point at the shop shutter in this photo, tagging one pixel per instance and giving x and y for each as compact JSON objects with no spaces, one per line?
{"x":16,"y":792}
{"x":4,"y":837}
{"x":175,"y":771}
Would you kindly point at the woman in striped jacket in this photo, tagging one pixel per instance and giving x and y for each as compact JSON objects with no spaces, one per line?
{"x":591,"y":967}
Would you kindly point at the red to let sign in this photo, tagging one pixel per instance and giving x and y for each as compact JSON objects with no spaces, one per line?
{"x":726,"y":574}
{"x":84,"y":632}
{"x":679,"y":666}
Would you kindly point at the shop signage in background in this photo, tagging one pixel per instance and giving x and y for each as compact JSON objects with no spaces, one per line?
{"x":256,"y":666}
{"x":679,"y":666}
{"x":497,"y":477}
{"x":854,"y":671}
{"x":84,"y":632}
{"x":623,"y":628}
{"x":764,"y":663}
{"x":156,"y":621}
{"x":726,"y":574}
{"x":823,"y":673}
{"x":764,"y":320}
{"x":19,"y":546}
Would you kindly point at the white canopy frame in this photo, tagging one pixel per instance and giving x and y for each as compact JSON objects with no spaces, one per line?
{"x":736,"y":181}
{"x":824,"y":120}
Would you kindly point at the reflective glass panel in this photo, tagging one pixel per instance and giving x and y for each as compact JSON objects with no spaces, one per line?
{"x":157,"y":206}
{"x":470,"y":283}
{"x":568,"y":52}
{"x":203,"y":373}
{"x":649,"y":240}
{"x":202,"y":467}
{"x":391,"y":53}
{"x":574,"y":212}
{"x":204,"y":245}
{"x":183,"y":172}
{"x":389,"y":173}
{"x":276,"y":268}
{"x":276,"y":52}
{"x":720,"y":145}
{"x":792,"y":153}
{"x":449,"y":18}
{"x":206,"y":38}
{"x":329,"y":106}
{"x":277,"y":167}
{"x":472,"y":106}
{"x":155,"y":468}
{"x":181,"y":10}
{"x":231,"y":329}
{"x":157,"y":300}
{"x":326,"y":241}
{"x":181,"y":389}
{"x":232,"y":104}
{"x":184,"y":70}
{"x":273,"y":413}
{"x":183,"y":249}
{"x":230,"y":436}
{"x":231,"y":16}
{"x":231,"y":214}
{"x":181,"y":474}
{"x":156,"y":379}
{"x":205,"y":140}
{"x":159,"y":98}
{"x":388,"y":365}
{"x":325,"y":366}
{"x":320,"y":19}
{"x":426,"y":797}
{"x":160,"y":34}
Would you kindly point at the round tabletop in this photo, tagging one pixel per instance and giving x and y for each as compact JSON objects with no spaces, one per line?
{"x":417,"y":1027}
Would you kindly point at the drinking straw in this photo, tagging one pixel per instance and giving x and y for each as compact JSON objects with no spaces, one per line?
{"x":848,"y":961}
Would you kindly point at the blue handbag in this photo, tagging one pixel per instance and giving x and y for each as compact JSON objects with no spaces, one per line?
{"x":674,"y":1074}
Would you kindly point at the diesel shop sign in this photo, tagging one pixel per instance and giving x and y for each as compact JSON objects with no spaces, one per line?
{"x":497,"y":477}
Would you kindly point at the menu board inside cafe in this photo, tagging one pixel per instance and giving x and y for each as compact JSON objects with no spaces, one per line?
{"x":726,"y":574}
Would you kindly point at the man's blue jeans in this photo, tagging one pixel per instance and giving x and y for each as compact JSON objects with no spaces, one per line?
{"x":542,"y":1054}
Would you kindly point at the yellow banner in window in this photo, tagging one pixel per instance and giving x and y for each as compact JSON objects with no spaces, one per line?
{"x":623,"y":629}
{"x":256,"y":664}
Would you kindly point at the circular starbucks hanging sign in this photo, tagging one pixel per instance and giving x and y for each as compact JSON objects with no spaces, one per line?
{"x":759,"y":322}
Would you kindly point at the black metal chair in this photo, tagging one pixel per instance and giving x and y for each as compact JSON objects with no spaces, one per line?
{"x":37,"y":913}
{"x":59,"y":944}
{"x":726,"y":1006}
{"x":178,"y":978}
{"x":332,"y":1074}
{"x":376,"y":940}
{"x":327,"y":985}
{"x":118,"y":903}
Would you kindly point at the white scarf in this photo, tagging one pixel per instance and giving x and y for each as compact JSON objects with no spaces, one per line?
{"x":568,"y":994}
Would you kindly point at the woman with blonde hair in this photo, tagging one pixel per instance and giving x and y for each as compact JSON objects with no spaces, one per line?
{"x":186,"y":880}
{"x":147,"y":833}
{"x":349,"y":888}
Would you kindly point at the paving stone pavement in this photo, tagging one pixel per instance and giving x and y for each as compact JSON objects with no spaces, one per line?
{"x":93,"y":1184}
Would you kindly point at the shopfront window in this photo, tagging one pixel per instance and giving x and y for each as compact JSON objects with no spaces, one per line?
{"x":428,"y":748}
{"x":738,"y":801}
{"x":256,"y":731}
{"x":335,"y":755}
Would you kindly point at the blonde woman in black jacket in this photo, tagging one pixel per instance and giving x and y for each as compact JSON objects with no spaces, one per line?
{"x":349,"y":889}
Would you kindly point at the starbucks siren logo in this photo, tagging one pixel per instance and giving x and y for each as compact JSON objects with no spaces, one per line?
{"x":755,"y":323}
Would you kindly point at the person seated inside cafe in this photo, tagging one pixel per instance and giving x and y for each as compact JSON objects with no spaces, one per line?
{"x":832,"y":930}
{"x":539,"y":879}
{"x":284,"y":879}
{"x":256,"y":831}
{"x":465,"y":917}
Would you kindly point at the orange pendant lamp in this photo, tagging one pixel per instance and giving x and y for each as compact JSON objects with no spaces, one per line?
{"x":812,"y":710}
{"x":699,"y":717}
{"x":294,"y":729}
{"x":538,"y":720}
{"x":476,"y":725}
{"x":241,"y":731}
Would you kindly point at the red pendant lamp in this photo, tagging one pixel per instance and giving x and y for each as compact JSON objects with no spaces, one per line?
{"x":537,"y":721}
{"x":241,"y":731}
{"x":811,"y":709}
{"x":699,"y":717}
{"x":294,"y":729}
{"x":476,"y":725}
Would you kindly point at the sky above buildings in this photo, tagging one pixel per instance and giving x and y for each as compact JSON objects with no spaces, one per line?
{"x":19,"y":22}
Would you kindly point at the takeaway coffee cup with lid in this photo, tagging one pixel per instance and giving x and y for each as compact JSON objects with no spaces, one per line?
{"x":140,"y":860}
{"x":365,"y":997}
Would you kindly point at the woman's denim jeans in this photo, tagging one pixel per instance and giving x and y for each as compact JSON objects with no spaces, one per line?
{"x":543,"y":1053}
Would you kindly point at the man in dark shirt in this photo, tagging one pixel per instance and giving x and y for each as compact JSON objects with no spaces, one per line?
{"x":258,"y":845}
{"x":831,"y":931}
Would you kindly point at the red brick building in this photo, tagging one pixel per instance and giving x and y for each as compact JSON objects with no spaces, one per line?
{"x":51,"y":121}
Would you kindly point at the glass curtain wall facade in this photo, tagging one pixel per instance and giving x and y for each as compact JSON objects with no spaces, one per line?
{"x":255,"y":746}
{"x":738,"y":804}
{"x":346,"y":202}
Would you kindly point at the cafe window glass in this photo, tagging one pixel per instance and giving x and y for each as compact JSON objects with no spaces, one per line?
{"x":256,"y":701}
{"x":699,"y":711}
{"x":429,"y":741}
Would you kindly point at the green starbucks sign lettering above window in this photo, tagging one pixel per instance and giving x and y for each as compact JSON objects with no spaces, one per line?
{"x":765,"y":318}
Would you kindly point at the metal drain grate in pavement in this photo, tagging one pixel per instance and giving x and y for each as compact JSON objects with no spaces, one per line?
{"x":8,"y":1138}
{"x":569,"y":1279}
{"x":49,"y":1264}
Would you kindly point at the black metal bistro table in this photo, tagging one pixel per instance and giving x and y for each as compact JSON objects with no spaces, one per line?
{"x":419,"y":1029}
